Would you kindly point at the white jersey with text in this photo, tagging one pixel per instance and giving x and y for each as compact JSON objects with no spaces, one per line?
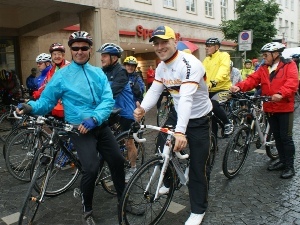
{"x":183,"y":76}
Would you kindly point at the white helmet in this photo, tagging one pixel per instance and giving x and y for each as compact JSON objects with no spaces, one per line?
{"x":43,"y":57}
{"x":273,"y":47}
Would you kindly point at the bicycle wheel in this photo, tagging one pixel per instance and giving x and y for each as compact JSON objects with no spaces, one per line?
{"x":104,"y":178}
{"x":162,"y":113}
{"x":20,"y":152}
{"x":271,"y":149}
{"x":63,"y":174}
{"x":6,"y":124}
{"x":236,"y":152}
{"x":33,"y":198}
{"x":137,"y":196}
{"x":297,"y":100}
{"x":213,"y":151}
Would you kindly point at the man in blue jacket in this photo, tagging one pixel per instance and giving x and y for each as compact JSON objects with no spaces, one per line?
{"x":88,"y":101}
{"x":118,"y":78}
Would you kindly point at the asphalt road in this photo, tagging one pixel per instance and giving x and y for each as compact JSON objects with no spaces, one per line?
{"x":255,"y":196}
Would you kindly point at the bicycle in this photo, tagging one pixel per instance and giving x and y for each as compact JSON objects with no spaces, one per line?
{"x":164,"y":109}
{"x":142,"y":190}
{"x":297,"y":100}
{"x":254,"y":128}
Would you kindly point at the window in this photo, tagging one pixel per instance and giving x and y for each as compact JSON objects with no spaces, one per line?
{"x":292,"y":30}
{"x":209,"y":8}
{"x":279,"y":23}
{"x":7,"y":54}
{"x":223,"y":9}
{"x":286,"y":3}
{"x":145,"y":1}
{"x":286,"y":28}
{"x":191,"y":6}
{"x":169,"y":3}
{"x":292,"y":5}
{"x":235,"y":14}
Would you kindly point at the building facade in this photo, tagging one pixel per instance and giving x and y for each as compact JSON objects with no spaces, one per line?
{"x":28,"y":28}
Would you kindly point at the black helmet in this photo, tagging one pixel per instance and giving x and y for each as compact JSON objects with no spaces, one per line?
{"x":213,"y":41}
{"x":80,"y":36}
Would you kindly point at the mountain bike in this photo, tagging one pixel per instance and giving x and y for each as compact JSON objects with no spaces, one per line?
{"x":254,"y":129}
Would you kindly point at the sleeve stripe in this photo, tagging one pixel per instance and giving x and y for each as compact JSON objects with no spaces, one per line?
{"x":190,"y":82}
{"x":158,"y":81}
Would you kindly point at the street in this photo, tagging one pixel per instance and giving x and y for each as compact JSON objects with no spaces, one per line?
{"x":255,"y":196}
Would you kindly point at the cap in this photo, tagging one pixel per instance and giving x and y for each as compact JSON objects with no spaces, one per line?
{"x":33,"y":70}
{"x":254,"y":60}
{"x":163,"y":32}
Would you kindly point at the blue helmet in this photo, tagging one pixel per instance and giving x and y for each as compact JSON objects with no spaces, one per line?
{"x":111,"y":49}
{"x":295,"y":56}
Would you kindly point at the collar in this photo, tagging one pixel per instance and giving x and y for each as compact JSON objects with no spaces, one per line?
{"x":173,"y":57}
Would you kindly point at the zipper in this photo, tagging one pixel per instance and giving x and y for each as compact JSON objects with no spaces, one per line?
{"x":94,"y":102}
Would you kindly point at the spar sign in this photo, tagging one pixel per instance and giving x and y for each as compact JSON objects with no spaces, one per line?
{"x":245,"y":40}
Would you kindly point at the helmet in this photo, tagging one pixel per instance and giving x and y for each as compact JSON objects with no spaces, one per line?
{"x":79,"y":36}
{"x":295,"y":56}
{"x":254,"y":60}
{"x":111,"y":49}
{"x":57,"y":47}
{"x":248,"y":61}
{"x":130,"y":60}
{"x":231,"y":63}
{"x":213,"y":41}
{"x":44,"y":57}
{"x":273,"y":47}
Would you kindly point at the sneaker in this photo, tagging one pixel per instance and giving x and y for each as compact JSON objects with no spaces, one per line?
{"x":228,"y":129}
{"x":195,"y":219}
{"x":129,"y":174}
{"x":88,"y":219}
{"x":134,"y":209}
{"x":288,"y":173}
{"x":163,"y":190}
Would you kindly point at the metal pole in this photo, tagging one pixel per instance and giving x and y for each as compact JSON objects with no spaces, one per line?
{"x":245,"y":56}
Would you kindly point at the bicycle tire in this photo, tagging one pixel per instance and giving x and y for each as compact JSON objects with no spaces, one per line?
{"x":104,"y":178}
{"x":163,"y":113}
{"x":63,"y":174}
{"x":271,"y":150}
{"x":212,"y":151}
{"x":6,"y":125}
{"x":236,"y":152}
{"x":20,"y":152}
{"x":135,"y":194}
{"x":33,"y":197}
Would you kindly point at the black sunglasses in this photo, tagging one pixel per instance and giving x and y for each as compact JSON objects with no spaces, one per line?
{"x":83,"y":48}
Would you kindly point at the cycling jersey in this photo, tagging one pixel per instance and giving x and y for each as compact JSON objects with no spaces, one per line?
{"x":84,"y":90}
{"x":186,"y":86}
{"x":217,"y":69}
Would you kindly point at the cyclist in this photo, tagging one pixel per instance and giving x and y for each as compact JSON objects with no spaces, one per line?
{"x":88,"y":101}
{"x":217,"y":66}
{"x":57,"y":52}
{"x":183,"y":73}
{"x":122,"y":93}
{"x":247,"y":69}
{"x":296,"y":57}
{"x":130,"y":64}
{"x":278,"y":78}
{"x":31,"y":81}
{"x":9,"y":86}
{"x":43,"y":62}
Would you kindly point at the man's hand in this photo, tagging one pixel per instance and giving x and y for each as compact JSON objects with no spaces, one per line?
{"x":276,"y":97}
{"x":139,"y":112}
{"x":212,"y":84}
{"x":86,"y":125}
{"x":180,"y":142}
{"x":23,"y":108}
{"x":234,"y":89}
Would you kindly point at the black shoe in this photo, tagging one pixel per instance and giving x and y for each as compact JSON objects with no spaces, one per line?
{"x":288,"y":173}
{"x":134,"y":209}
{"x":276,"y":166}
{"x":88,"y":219}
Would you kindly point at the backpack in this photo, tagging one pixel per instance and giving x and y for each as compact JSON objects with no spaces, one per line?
{"x":136,"y":90}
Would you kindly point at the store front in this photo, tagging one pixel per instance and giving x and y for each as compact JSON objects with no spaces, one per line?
{"x":8,"y":54}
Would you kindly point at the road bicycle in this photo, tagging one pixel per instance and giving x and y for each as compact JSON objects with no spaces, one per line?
{"x":165,"y":108}
{"x":254,"y":129}
{"x":142,"y":190}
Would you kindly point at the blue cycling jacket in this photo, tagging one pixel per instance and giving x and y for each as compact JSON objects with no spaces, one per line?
{"x":42,"y":76}
{"x":84,"y":91}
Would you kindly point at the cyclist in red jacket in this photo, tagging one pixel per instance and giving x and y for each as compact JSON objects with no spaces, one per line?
{"x":278,"y":78}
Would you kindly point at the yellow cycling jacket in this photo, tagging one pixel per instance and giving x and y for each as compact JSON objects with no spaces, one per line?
{"x":217,"y":68}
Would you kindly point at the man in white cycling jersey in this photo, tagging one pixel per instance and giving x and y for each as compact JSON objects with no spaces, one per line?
{"x":182,"y":74}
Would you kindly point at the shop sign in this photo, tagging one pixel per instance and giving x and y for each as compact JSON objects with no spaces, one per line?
{"x":147,"y":33}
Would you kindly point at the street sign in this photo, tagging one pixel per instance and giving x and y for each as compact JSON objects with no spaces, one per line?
{"x":245,"y":37}
{"x":245,"y":47}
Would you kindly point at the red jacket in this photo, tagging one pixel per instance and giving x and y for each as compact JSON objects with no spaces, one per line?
{"x":58,"y":109}
{"x":284,"y":82}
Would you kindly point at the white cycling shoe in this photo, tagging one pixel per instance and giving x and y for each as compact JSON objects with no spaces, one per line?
{"x":195,"y":219}
{"x":163,"y":190}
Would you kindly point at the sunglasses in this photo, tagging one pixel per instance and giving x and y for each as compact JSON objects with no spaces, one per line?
{"x":83,"y":48}
{"x":265,"y":55}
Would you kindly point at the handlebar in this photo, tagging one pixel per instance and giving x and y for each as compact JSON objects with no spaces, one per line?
{"x":136,"y":127}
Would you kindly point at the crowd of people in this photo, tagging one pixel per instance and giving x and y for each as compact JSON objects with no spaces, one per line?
{"x":88,"y":94}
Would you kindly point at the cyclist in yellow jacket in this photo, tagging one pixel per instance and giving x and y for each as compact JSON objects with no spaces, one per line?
{"x":217,"y":66}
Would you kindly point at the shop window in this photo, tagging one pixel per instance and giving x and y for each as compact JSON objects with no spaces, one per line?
{"x":191,"y":6}
{"x":7,"y":54}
